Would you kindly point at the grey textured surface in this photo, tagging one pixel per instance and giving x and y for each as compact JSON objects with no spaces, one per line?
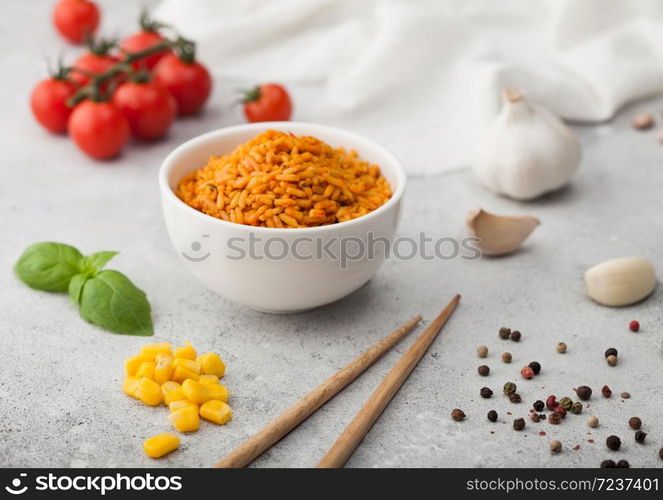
{"x":60,"y":399}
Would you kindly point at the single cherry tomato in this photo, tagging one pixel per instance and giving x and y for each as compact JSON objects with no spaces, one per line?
{"x":49,"y":101}
{"x":148,"y":106}
{"x":144,"y":39}
{"x":76,"y":19}
{"x":99,"y":129}
{"x":187,"y":80}
{"x":269,"y":102}
{"x":95,"y":61}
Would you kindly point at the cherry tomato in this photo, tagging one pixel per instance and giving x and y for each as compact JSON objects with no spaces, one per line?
{"x":95,"y":61}
{"x":269,"y":102}
{"x":48,"y":102}
{"x":148,"y":106}
{"x":99,"y":129}
{"x":76,"y":19}
{"x":147,"y":37}
{"x":189,"y":82}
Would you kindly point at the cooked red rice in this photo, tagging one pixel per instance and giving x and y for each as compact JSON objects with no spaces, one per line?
{"x":282,"y":180}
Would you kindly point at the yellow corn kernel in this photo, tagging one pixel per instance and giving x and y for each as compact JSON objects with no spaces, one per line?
{"x":182,"y":403}
{"x":131,"y":364}
{"x":186,"y":352}
{"x":188,"y":364}
{"x":146,"y":370}
{"x":208,"y":379}
{"x":149,"y":392}
{"x":219,"y":392}
{"x":195,"y":391}
{"x":161,"y":444}
{"x":185,"y":419}
{"x":171,"y":391}
{"x":130,"y":385}
{"x":212,"y":364}
{"x":216,"y":411}
{"x":163,"y":371}
{"x":154,"y":349}
{"x":180,"y":374}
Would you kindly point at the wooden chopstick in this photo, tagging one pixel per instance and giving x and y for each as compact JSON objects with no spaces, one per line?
{"x":255,"y":445}
{"x":354,"y":433}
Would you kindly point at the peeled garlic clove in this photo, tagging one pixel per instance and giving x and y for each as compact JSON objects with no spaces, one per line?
{"x":620,"y":282}
{"x":527,"y":152}
{"x":500,"y":234}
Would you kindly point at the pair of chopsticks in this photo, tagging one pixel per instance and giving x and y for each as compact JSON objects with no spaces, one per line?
{"x":354,"y":433}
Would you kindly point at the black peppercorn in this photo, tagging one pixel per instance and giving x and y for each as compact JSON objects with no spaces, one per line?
{"x":634,"y":423}
{"x":535,"y":366}
{"x":515,"y":398}
{"x":483,"y":370}
{"x":640,"y":437}
{"x":534,"y":417}
{"x":505,"y":332}
{"x":608,"y":464}
{"x":584,"y":392}
{"x":515,"y":336}
{"x":538,"y":405}
{"x":457,"y":414}
{"x":606,"y":391}
{"x":660,"y":453}
{"x":611,"y":352}
{"x":486,"y":392}
{"x":623,"y":464}
{"x":613,"y":443}
{"x":492,"y":416}
{"x":519,"y":424}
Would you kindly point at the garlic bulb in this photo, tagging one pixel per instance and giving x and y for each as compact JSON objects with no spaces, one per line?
{"x":620,"y":282}
{"x":500,"y":234}
{"x":528,"y":151}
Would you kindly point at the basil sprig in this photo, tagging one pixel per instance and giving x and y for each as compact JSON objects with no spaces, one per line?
{"x":105,"y":298}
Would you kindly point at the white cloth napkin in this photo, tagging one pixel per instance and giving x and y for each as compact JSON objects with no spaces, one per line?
{"x":423,"y":76}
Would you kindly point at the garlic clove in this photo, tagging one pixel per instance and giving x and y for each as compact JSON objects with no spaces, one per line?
{"x":500,"y":234}
{"x":620,"y":282}
{"x":528,"y":150}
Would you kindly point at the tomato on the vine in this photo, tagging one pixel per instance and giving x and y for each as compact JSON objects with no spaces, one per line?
{"x":99,"y":128}
{"x":148,"y":106}
{"x":95,"y":61}
{"x":76,"y":19}
{"x":144,"y":39}
{"x":269,"y":102}
{"x":187,"y":80}
{"x":49,"y":101}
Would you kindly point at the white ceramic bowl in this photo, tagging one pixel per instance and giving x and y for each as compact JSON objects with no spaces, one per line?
{"x":257,"y":274}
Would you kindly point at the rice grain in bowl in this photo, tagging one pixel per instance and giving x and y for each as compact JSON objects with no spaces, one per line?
{"x":246,"y":263}
{"x":280,"y":179}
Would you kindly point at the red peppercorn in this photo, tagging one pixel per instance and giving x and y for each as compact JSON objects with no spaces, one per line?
{"x":551,"y":403}
{"x":560,"y":410}
{"x":527,"y":372}
{"x":634,"y":326}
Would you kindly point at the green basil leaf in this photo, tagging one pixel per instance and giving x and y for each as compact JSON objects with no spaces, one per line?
{"x":48,"y":266}
{"x":111,"y":301}
{"x":76,"y":288}
{"x":95,"y":262}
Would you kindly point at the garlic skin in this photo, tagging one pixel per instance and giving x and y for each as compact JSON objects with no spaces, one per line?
{"x":528,"y":150}
{"x":500,"y":234}
{"x":620,"y":282}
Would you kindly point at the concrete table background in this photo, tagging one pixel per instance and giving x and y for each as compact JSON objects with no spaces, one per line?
{"x":60,"y":399}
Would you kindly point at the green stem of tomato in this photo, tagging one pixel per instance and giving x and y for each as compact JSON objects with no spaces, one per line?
{"x":92,"y":89}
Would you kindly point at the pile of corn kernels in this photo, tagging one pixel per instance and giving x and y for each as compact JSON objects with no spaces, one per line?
{"x":188,"y":384}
